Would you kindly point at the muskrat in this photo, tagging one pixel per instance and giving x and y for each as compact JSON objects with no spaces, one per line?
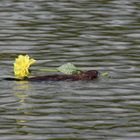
{"x":86,"y":75}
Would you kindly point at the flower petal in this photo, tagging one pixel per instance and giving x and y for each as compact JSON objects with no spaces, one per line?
{"x":21,"y":66}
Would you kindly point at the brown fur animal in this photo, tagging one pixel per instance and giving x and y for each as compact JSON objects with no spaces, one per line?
{"x":87,"y":75}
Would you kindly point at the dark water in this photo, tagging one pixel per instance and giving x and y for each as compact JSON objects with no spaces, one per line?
{"x":93,"y":34}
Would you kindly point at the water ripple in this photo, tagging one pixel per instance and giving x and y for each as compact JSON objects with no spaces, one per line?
{"x":101,"y":35}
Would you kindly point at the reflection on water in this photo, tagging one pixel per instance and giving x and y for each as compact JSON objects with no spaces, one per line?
{"x":102,"y":35}
{"x":22,"y":87}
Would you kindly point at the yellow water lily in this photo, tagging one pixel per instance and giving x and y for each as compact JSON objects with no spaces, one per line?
{"x":22,"y":65}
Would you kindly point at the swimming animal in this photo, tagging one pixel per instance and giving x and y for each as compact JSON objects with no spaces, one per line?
{"x":85,"y":75}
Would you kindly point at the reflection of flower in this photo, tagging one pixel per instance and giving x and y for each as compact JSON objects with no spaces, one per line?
{"x":21,"y":66}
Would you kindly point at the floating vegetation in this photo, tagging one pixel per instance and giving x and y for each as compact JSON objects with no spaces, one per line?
{"x":23,"y":63}
{"x":105,"y":74}
{"x":69,"y":69}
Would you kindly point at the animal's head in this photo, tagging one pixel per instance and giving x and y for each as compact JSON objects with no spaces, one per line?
{"x":89,"y":75}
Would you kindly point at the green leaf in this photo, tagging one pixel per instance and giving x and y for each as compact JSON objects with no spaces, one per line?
{"x":69,"y":68}
{"x":105,"y":74}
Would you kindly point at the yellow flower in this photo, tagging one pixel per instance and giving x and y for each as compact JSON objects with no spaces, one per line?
{"x":21,"y":66}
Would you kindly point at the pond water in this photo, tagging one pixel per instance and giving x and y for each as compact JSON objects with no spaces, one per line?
{"x":93,"y":34}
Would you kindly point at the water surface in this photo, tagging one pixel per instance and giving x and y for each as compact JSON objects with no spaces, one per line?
{"x":100,"y":34}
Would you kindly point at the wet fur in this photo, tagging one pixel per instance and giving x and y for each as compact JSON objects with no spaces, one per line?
{"x":87,"y":75}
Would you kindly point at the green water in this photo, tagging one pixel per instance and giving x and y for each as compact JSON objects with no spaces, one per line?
{"x":93,"y":34}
